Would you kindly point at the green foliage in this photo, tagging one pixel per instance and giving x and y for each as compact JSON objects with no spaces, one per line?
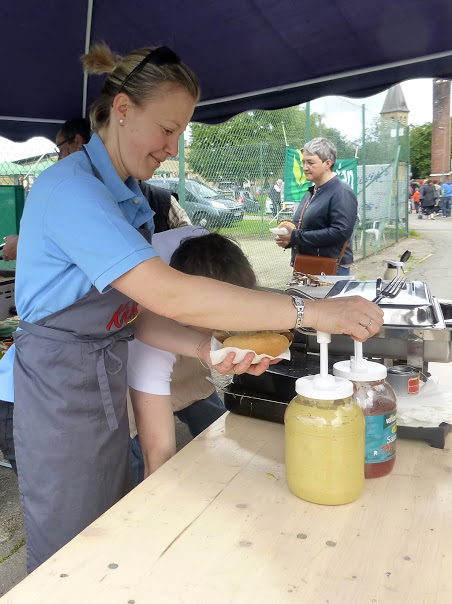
{"x":252,"y":145}
{"x":420,"y":150}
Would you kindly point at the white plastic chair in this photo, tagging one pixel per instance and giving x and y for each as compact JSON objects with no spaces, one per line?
{"x":375,"y":230}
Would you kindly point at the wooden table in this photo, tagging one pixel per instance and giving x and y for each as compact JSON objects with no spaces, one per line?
{"x":218,"y":524}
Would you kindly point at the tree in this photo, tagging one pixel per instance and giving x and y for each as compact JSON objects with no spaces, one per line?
{"x":420,"y":150}
{"x":252,"y":145}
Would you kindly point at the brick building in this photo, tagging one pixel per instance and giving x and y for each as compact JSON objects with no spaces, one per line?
{"x":441,"y":129}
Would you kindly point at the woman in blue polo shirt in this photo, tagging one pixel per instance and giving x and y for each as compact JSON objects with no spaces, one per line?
{"x":83,"y":267}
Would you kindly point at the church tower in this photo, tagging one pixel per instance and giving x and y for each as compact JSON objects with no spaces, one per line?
{"x":395,"y":107}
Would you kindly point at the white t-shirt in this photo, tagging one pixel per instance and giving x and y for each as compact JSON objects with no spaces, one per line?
{"x":149,"y":369}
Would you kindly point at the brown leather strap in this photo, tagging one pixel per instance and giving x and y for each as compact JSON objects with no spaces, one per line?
{"x":307,"y":202}
{"x":344,"y":247}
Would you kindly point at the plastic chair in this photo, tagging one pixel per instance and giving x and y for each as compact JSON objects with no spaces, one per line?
{"x":375,"y":230}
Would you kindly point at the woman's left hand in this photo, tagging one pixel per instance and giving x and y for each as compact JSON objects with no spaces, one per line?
{"x":284,"y":240}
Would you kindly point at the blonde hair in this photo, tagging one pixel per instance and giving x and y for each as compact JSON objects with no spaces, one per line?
{"x":142,"y":86}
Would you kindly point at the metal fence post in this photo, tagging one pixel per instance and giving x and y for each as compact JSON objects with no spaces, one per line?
{"x":397,"y":209}
{"x":363,"y":159}
{"x":261,"y":179}
{"x":408,"y":175}
{"x":307,"y":131}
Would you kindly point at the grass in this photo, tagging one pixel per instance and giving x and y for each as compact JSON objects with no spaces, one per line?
{"x":251,"y":225}
{"x":254,"y":224}
{"x":15,"y":549}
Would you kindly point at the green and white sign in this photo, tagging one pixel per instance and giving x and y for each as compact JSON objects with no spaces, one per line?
{"x":295,"y":183}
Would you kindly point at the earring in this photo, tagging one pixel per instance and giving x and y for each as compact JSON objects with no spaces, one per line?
{"x":121,"y":122}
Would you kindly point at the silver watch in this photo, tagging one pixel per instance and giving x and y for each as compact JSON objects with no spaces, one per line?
{"x":299,"y":305}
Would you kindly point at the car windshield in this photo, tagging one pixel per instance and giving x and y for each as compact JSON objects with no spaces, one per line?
{"x":201,"y":190}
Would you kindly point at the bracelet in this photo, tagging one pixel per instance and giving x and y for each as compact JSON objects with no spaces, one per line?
{"x":198,"y":350}
{"x":299,"y":305}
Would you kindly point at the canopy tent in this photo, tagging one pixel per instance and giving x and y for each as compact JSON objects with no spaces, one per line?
{"x":248,"y":54}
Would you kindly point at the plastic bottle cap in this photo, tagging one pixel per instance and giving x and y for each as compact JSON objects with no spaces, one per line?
{"x":328,"y":388}
{"x":360,"y":371}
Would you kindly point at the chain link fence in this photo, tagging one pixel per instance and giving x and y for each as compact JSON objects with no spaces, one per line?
{"x":230,"y":171}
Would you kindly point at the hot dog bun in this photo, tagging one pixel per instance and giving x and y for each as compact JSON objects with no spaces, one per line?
{"x":285,"y":223}
{"x":271,"y":344}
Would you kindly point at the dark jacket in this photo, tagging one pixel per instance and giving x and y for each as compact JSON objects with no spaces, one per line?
{"x":159,"y":200}
{"x":327,"y":223}
{"x":429,"y":196}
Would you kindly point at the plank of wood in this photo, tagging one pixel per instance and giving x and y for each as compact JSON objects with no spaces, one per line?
{"x":217,"y":523}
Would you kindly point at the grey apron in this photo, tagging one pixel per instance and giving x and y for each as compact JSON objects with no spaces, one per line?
{"x":71,"y":428}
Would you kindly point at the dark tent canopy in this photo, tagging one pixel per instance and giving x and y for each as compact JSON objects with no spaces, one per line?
{"x":248,"y":54}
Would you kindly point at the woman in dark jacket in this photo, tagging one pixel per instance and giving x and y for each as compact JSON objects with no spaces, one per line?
{"x":328,"y":211}
{"x":429,"y":196}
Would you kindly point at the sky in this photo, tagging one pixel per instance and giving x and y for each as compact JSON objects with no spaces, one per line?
{"x":339,"y":112}
{"x":345,"y":114}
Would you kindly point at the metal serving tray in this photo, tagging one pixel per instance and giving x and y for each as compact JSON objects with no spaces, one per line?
{"x":412,"y":307}
{"x":417,"y":345}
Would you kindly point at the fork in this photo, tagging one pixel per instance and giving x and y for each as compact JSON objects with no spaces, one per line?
{"x":391,"y":290}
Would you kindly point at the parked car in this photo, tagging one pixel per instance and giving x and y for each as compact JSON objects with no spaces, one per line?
{"x":287,"y":208}
{"x":229,"y":188}
{"x":205,"y":206}
{"x":248,"y":202}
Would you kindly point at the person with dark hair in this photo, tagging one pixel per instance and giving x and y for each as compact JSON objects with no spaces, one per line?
{"x":446,"y":192}
{"x":215,"y":256}
{"x":162,"y":383}
{"x":85,"y":266}
{"x":429,"y":197}
{"x":72,"y":135}
{"x":69,"y":139}
{"x":275,"y":195}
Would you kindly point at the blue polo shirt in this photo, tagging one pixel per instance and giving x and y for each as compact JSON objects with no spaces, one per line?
{"x":76,"y":231}
{"x":446,"y":189}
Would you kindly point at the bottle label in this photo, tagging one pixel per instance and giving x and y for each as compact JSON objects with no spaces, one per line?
{"x":381,"y":434}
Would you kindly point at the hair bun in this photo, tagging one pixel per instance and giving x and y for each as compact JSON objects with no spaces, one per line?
{"x":100,"y":59}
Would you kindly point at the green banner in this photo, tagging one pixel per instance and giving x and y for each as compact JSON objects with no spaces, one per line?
{"x":295,"y":183}
{"x":347,"y":169}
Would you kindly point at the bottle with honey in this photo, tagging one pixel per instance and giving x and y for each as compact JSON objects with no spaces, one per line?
{"x":378,"y":401}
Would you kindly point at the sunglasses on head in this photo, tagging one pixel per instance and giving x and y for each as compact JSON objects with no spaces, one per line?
{"x":159,"y":56}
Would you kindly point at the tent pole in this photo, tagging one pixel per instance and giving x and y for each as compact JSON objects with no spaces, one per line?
{"x":89,"y":19}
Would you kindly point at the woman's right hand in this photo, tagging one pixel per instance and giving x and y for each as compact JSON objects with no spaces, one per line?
{"x":10,"y":249}
{"x":353,"y":315}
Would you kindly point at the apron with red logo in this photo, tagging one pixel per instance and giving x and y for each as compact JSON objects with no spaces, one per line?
{"x":71,"y":428}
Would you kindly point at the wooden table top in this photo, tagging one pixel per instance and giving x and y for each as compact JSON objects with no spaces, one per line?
{"x":218,"y":524}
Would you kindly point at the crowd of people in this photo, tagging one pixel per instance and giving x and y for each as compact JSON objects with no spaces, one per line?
{"x":430,"y":198}
{"x":90,"y":277}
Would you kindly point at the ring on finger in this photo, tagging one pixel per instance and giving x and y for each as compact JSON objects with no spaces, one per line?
{"x":369,"y":324}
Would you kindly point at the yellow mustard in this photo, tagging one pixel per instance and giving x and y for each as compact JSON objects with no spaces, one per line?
{"x":325,"y":449}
